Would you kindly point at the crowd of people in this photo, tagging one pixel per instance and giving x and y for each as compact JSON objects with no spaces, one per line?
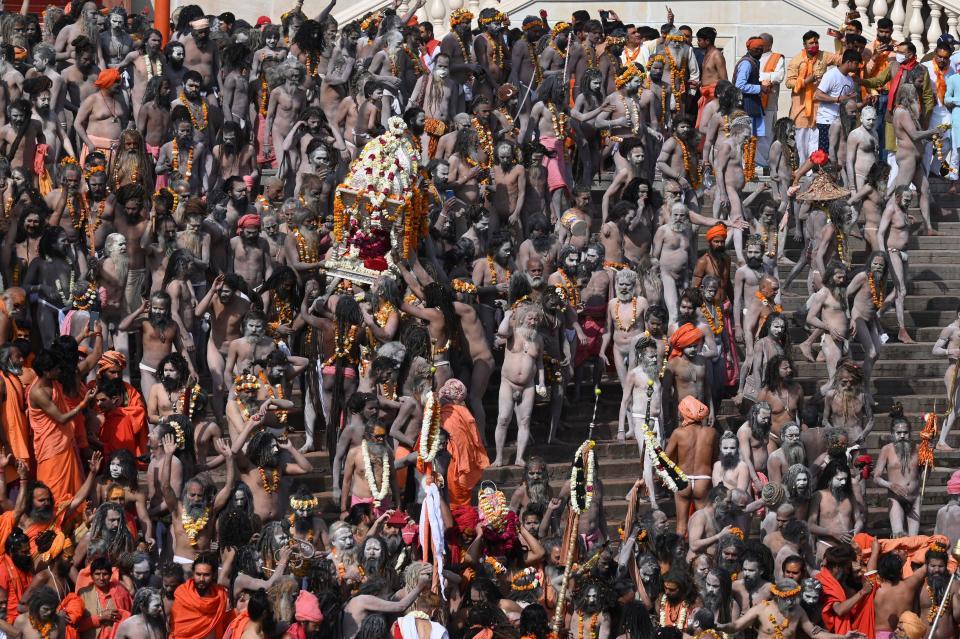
{"x":178,"y":299}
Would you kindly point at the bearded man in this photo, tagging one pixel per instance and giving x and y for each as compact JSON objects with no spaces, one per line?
{"x":754,"y":586}
{"x":848,"y":598}
{"x":50,"y":279}
{"x":730,"y":470}
{"x":791,"y":452}
{"x":799,"y":484}
{"x":679,"y":597}
{"x":368,"y":465}
{"x":108,"y":525}
{"x":510,"y":186}
{"x":624,"y":324}
{"x":264,"y":465}
{"x":16,"y":429}
{"x":710,"y":524}
{"x":716,"y":593}
{"x":847,"y":405}
{"x":17,"y":574}
{"x":113,"y":274}
{"x":781,"y":617}
{"x":835,"y":515}
{"x":592,"y":607}
{"x":535,"y":488}
{"x":172,"y":394}
{"x":148,"y":620}
{"x":897,"y":470}
{"x":680,"y":161}
{"x":671,"y":249}
{"x":19,"y":137}
{"x":933,"y":590}
{"x":715,"y":262}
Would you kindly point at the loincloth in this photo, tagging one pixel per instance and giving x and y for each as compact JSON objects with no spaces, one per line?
{"x":557,"y":165}
{"x":434,"y":129}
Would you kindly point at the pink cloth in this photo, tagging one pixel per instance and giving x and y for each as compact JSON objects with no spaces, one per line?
{"x":154,"y":151}
{"x":953,"y":485}
{"x":307,"y":607}
{"x":556,"y":166}
{"x":270,"y":158}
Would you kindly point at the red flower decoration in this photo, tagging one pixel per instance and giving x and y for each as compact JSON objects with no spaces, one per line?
{"x":819,"y":157}
{"x":375,"y":263}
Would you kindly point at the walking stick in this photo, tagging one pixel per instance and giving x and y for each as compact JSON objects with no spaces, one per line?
{"x":946,"y":593}
{"x":925,"y":451}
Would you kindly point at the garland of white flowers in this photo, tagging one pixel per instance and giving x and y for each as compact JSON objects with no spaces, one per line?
{"x":681,"y":619}
{"x":655,"y":453}
{"x":588,"y":461}
{"x":378,"y":492}
{"x":377,"y":170}
{"x":429,"y":429}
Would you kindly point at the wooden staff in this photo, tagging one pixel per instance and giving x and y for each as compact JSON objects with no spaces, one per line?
{"x":946,"y":593}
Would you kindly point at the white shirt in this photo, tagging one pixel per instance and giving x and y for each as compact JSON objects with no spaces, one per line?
{"x":834,"y":83}
{"x":775,"y":77}
{"x":941,"y":114}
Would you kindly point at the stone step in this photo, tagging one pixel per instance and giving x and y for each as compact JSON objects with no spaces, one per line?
{"x":927,"y":286}
{"x":918,"y":369}
{"x":929,"y":271}
{"x":920,"y":302}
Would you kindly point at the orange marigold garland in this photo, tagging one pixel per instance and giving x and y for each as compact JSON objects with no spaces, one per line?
{"x":749,"y":159}
{"x":875,"y":297}
{"x":925,"y":450}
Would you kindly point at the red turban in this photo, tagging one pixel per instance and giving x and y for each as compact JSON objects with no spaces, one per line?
{"x":753,"y":43}
{"x":248,"y":221}
{"x":718,"y":230}
{"x":107,"y":78}
{"x":684,"y":336}
{"x":693,"y":410}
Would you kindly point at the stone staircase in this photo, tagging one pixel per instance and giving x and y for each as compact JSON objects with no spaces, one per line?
{"x":907,"y":373}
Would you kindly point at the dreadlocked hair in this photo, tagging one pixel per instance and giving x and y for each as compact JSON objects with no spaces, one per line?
{"x":440,"y":297}
{"x":309,"y":37}
{"x":416,"y":340}
{"x":519,"y":287}
{"x":234,"y":527}
{"x":282,"y":275}
{"x":347,"y":316}
{"x":117,"y":543}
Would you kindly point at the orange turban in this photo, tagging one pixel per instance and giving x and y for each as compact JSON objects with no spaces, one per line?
{"x":107,"y":78}
{"x":248,"y":221}
{"x":19,"y":53}
{"x":684,"y":336}
{"x":693,"y":410}
{"x":111,"y":360}
{"x":753,"y":43}
{"x":718,"y":230}
{"x":912,"y":625}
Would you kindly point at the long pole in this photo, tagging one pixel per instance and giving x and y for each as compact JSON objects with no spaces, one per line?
{"x":943,"y":602}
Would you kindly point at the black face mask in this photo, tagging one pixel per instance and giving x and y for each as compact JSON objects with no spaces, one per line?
{"x":755,"y":55}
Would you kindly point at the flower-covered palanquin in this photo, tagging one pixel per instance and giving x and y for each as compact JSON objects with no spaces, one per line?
{"x":380,"y":211}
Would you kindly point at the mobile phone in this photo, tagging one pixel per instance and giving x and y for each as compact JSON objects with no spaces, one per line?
{"x":833,"y":33}
{"x":94,"y":318}
{"x":448,"y":194}
{"x":853,"y":15}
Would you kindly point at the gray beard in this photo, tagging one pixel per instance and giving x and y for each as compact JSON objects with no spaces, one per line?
{"x":729,"y":566}
{"x":838,"y":493}
{"x":786,"y":606}
{"x":794,"y":453}
{"x":538,"y":492}
{"x":122,"y":262}
{"x":759,"y":432}
{"x":804,"y":494}
{"x":712,"y":602}
{"x":904,"y":452}
{"x":195,"y":512}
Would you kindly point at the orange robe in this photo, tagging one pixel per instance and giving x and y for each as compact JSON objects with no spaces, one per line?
{"x":130,"y":433}
{"x":72,"y":609}
{"x":860,"y":618}
{"x":15,"y":424}
{"x":237,"y":626}
{"x":97,"y":602}
{"x":55,"y":445}
{"x":32,"y":532}
{"x":14,"y":582}
{"x":468,"y":457}
{"x":194,"y":617}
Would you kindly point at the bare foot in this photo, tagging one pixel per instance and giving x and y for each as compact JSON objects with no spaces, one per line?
{"x":807,"y":350}
{"x":497,"y":463}
{"x":904,"y":337}
{"x":786,"y":261}
{"x":941,"y":446}
{"x":520,"y":462}
{"x":931,"y":233}
{"x":630,"y":434}
{"x":621,"y":436}
{"x":821,"y":357}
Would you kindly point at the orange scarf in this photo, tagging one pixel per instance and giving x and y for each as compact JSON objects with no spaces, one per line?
{"x":941,"y":82}
{"x":768,"y":68}
{"x":194,"y":617}
{"x":807,"y":90}
{"x":860,"y":618}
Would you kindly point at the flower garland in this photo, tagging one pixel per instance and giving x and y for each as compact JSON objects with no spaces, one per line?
{"x":378,"y":492}
{"x":275,"y":391}
{"x":695,"y":178}
{"x":495,"y":566}
{"x":284,"y":314}
{"x":264,"y":98}
{"x":273,"y":485}
{"x":528,"y":573}
{"x":344,"y":349}
{"x":711,"y":634}
{"x":633,"y":114}
{"x":497,"y":50}
{"x":633,"y":320}
{"x":938,"y":147}
{"x":484,"y":141}
{"x":875,"y":296}
{"x":840,"y":238}
{"x":591,"y":627}
{"x":96,"y":219}
{"x":429,"y":429}
{"x":418,"y":67}
{"x":535,"y":61}
{"x":575,"y":479}
{"x":561,"y":53}
{"x":572,"y":290}
{"x":772,"y":247}
{"x":152,"y":68}
{"x":559,"y":121}
{"x":749,"y":159}
{"x":86,"y":300}
{"x":193,"y":119}
{"x":175,"y":164}
{"x":182,"y":401}
{"x":493,"y":271}
{"x":492,"y":505}
{"x":667,"y":617}
{"x":193,"y":527}
{"x":766,"y":302}
{"x":717,"y":317}
{"x":676,"y":79}
{"x":925,"y":449}
{"x":65,"y":297}
{"x":934,"y":606}
{"x":43,"y":628}
{"x":778,"y":628}
{"x":305,"y":253}
{"x":658,"y":458}
{"x":467,"y":57}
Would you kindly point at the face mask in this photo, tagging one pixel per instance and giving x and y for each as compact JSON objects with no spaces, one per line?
{"x":814,"y":50}
{"x":901,"y":58}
